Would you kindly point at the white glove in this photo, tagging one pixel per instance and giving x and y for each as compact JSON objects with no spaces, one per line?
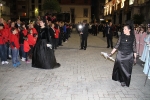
{"x":49,"y":45}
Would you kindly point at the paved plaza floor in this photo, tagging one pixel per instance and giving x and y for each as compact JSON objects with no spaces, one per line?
{"x":83,"y":75}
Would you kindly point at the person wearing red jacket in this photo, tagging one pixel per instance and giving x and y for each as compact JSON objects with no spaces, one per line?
{"x":6,"y":27}
{"x":31,"y":41}
{"x":14,"y":44}
{"x":26,"y":49}
{"x":12,"y":25}
{"x":3,"y":46}
{"x":31,"y":26}
{"x":57,"y":31}
{"x":22,"y":33}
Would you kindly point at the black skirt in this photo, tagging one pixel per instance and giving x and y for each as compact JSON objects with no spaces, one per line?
{"x":43,"y":57}
{"x":123,"y":67}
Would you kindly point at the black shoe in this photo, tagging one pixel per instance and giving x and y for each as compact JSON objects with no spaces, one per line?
{"x":84,"y":48}
{"x":123,"y":84}
{"x":112,"y":47}
{"x":81,"y":49}
{"x":8,"y":58}
{"x":60,"y":45}
{"x":57,"y":65}
{"x":107,"y":46}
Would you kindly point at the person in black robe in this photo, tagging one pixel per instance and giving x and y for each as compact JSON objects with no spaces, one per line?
{"x":126,"y":56}
{"x":43,"y":54}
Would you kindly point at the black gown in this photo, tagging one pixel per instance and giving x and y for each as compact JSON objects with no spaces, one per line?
{"x":43,"y":56}
{"x":122,"y":70}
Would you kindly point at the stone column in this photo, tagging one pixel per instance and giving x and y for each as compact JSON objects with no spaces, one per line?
{"x":117,"y":18}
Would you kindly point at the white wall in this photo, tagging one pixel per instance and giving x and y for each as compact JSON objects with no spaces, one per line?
{"x":5,"y":12}
{"x":78,"y":12}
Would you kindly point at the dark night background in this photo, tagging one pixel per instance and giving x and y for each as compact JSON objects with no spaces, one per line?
{"x":97,"y":7}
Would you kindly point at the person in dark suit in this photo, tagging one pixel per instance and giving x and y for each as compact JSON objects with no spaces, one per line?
{"x":95,"y":29}
{"x":109,"y":35}
{"x":84,"y":35}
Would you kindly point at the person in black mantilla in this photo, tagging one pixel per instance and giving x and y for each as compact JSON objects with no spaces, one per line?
{"x":126,"y":56}
{"x":43,"y":54}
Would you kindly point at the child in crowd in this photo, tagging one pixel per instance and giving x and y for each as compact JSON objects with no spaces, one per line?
{"x":31,"y":41}
{"x":26,"y":49}
{"x":22,"y":33}
{"x":57,"y":31}
{"x":3,"y":47}
{"x":14,"y":44}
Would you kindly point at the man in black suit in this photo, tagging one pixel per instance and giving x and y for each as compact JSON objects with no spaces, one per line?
{"x":84,"y":35}
{"x":109,"y":35}
{"x":95,"y":29}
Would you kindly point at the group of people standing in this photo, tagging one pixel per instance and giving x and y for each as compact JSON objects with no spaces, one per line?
{"x":16,"y":39}
{"x":32,"y":40}
{"x":143,"y":46}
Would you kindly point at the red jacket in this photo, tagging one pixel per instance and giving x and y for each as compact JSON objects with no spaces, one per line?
{"x":14,"y":41}
{"x":57,"y":33}
{"x":10,"y":33}
{"x":25,"y":32}
{"x":3,"y":36}
{"x":26,"y":46}
{"x":31,"y":40}
{"x":34,"y":31}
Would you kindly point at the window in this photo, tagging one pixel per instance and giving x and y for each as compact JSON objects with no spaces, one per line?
{"x":33,"y":14}
{"x":72,"y":1}
{"x":40,"y":7}
{"x":72,"y":11}
{"x":23,"y":14}
{"x":23,"y":7}
{"x":40,"y":13}
{"x":85,"y":12}
{"x":39,"y":1}
{"x":13,"y":7}
{"x":33,"y":7}
{"x":32,"y":1}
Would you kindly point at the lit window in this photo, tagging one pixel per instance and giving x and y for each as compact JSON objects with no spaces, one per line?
{"x":85,"y":12}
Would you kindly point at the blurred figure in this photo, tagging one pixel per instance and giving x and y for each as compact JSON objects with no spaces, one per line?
{"x":3,"y":45}
{"x":109,"y":35}
{"x":14,"y":44}
{"x":84,"y":35}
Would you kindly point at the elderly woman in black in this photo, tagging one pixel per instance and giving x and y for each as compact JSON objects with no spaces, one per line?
{"x":43,"y":54}
{"x":126,"y":56}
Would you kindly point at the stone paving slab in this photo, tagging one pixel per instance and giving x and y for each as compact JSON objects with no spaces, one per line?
{"x":83,"y":75}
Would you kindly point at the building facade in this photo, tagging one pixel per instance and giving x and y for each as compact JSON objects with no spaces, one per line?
{"x":79,"y":9}
{"x":26,"y":9}
{"x":5,"y":9}
{"x":19,"y":9}
{"x":97,"y":10}
{"x":118,"y":11}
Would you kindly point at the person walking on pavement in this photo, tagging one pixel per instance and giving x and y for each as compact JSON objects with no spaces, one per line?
{"x":126,"y":55}
{"x":84,"y":35}
{"x":109,"y":35}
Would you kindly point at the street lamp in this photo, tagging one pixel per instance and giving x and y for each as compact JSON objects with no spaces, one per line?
{"x":1,"y":8}
{"x":36,"y":11}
